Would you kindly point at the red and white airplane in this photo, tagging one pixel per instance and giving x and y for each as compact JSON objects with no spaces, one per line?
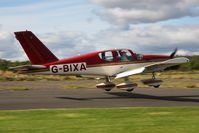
{"x":117,"y":63}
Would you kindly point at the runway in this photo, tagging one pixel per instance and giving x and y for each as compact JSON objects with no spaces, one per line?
{"x":96,"y":98}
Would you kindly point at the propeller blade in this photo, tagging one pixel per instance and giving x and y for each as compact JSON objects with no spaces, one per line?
{"x":173,"y":53}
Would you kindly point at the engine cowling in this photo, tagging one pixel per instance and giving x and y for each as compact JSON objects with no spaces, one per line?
{"x":106,"y":86}
{"x":152,"y":82}
{"x":128,"y":86}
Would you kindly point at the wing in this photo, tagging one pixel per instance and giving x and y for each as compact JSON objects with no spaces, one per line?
{"x":155,"y":67}
{"x":27,"y":67}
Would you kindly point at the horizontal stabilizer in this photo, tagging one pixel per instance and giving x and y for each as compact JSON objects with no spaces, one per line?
{"x":27,"y":67}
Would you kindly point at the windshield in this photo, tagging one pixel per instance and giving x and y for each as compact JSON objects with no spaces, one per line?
{"x":138,"y":56}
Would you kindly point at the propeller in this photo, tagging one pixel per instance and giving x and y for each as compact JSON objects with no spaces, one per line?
{"x":173,"y":53}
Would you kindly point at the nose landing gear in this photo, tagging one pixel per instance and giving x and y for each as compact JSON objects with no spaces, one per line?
{"x":153,"y":82}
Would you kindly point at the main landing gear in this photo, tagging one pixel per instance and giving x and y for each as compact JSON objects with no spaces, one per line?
{"x":126,"y":85}
{"x":107,"y":86}
{"x":153,"y":82}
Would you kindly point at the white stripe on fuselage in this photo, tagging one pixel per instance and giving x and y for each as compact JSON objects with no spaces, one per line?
{"x":82,"y":69}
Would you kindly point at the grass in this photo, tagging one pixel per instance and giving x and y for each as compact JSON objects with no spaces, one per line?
{"x":10,"y":76}
{"x":125,"y":120}
{"x":191,"y":86}
{"x":180,"y":79}
{"x":1,"y":88}
{"x":19,"y":88}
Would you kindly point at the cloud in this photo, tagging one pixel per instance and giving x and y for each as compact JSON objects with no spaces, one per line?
{"x":151,"y":40}
{"x":62,"y":44}
{"x":186,"y":53}
{"x":145,"y":40}
{"x":125,"y":12}
{"x":9,"y":49}
{"x":49,"y":16}
{"x":67,"y":44}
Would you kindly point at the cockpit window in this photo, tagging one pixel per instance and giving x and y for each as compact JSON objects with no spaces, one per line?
{"x":124,"y":55}
{"x":107,"y":56}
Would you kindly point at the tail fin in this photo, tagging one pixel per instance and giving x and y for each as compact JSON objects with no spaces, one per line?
{"x":36,"y":51}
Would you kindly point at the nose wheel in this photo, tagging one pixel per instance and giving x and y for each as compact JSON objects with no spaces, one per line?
{"x":159,"y":82}
{"x":153,"y":82}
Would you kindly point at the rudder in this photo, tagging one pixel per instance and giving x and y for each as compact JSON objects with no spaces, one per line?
{"x":36,"y":51}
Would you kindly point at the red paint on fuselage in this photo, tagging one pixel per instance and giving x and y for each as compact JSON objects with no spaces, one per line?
{"x":152,"y":57}
{"x":39,"y":54}
{"x":94,"y":59}
{"x":90,"y":59}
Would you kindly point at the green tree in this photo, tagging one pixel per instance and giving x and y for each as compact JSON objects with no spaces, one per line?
{"x":5,"y":64}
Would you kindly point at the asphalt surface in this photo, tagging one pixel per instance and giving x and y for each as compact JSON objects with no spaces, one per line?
{"x":96,"y":98}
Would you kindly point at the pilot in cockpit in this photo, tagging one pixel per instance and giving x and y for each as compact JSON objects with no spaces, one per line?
{"x":123,"y":56}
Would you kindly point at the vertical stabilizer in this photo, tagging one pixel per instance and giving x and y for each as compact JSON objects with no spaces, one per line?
{"x":36,"y":51}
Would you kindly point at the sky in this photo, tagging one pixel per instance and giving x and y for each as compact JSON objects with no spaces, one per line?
{"x":69,"y":28}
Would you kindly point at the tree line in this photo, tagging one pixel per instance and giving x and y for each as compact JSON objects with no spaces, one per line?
{"x":192,"y":65}
{"x":6,"y":64}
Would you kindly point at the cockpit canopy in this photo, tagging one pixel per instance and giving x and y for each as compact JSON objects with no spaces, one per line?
{"x":124,"y":55}
{"x":119,"y":55}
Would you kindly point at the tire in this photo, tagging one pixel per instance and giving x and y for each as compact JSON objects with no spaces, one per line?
{"x":107,"y":89}
{"x":156,"y":86}
{"x":130,"y":90}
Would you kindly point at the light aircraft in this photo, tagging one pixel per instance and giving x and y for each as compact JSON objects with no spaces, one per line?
{"x":117,"y":63}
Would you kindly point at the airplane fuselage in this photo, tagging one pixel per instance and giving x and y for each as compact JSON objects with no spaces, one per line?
{"x":92,"y":64}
